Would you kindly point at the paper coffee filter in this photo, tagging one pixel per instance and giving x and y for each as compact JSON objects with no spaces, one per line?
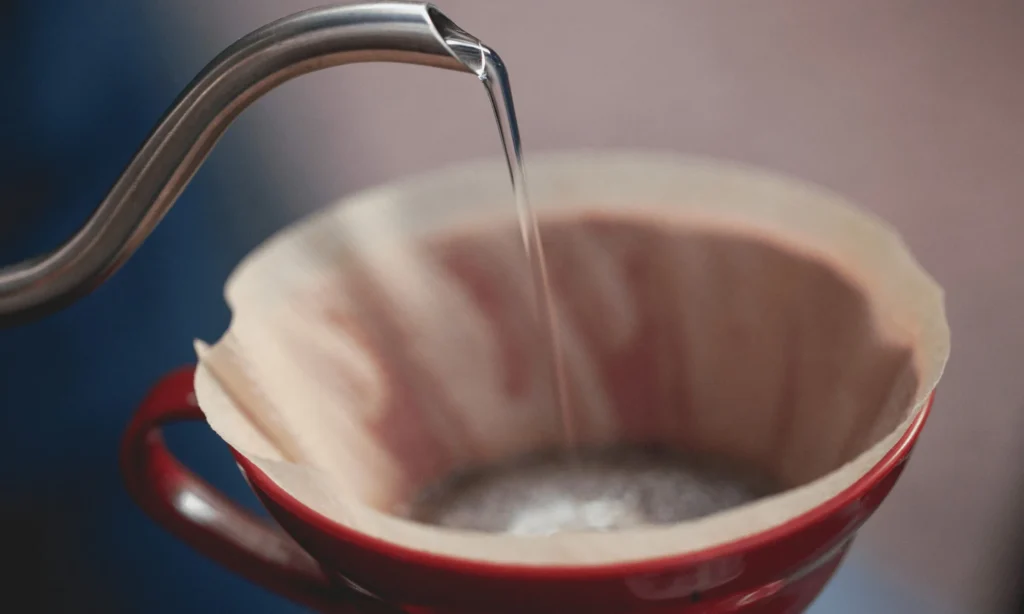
{"x":392,"y":339}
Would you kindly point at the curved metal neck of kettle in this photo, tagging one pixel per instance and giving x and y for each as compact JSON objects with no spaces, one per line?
{"x":245,"y":71}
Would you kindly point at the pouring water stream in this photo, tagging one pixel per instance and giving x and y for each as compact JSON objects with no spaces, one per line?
{"x":489,"y":68}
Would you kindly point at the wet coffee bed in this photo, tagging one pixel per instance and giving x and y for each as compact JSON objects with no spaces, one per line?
{"x":593,"y":490}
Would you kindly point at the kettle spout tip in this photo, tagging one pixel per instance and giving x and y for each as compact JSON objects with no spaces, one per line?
{"x":462,"y":45}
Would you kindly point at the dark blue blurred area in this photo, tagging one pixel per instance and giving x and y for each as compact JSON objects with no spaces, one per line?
{"x":82,"y":84}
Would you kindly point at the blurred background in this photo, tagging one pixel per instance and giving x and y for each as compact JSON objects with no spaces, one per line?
{"x":913,"y":108}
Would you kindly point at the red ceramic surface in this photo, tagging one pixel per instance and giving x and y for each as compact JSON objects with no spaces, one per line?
{"x":317,"y":562}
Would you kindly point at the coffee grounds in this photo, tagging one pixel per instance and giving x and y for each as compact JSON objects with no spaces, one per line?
{"x":598,"y":490}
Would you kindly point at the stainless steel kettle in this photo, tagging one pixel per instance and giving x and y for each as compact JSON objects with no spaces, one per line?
{"x":409,"y":33}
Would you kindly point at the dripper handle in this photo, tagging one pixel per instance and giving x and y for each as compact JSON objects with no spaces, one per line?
{"x":220,"y":529}
{"x":409,"y":33}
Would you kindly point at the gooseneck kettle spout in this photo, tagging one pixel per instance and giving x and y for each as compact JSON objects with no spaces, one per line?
{"x":302,"y":43}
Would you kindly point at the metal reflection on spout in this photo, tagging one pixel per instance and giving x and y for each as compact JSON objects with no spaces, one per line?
{"x":257,"y":63}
